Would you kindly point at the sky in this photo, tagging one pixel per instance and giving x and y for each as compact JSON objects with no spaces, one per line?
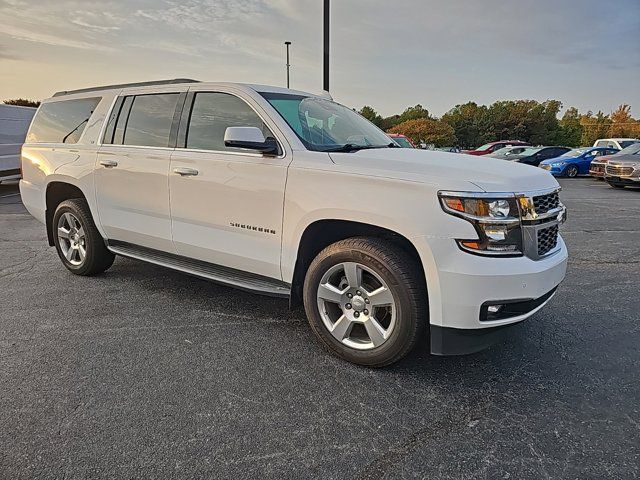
{"x":387,"y":54}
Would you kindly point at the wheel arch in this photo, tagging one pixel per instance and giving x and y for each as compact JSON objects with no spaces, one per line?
{"x":322,"y":233}
{"x":57,"y":192}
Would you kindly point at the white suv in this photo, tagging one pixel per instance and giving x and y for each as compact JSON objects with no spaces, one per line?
{"x":286,"y":193}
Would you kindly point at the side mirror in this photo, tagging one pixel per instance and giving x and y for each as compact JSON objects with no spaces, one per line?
{"x":250,"y":138}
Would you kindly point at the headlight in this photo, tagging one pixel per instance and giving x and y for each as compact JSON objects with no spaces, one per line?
{"x":560,"y":164}
{"x":496,"y":220}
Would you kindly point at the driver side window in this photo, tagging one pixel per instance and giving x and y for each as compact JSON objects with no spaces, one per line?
{"x":212,"y":113}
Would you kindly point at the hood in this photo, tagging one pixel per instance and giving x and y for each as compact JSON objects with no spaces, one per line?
{"x":623,"y":159}
{"x":446,"y":170}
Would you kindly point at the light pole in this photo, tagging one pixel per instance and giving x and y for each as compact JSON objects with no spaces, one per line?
{"x":326,"y":46}
{"x":287,"y":44}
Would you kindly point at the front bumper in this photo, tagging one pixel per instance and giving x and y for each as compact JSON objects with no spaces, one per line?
{"x":553,"y":170}
{"x":460,"y":341}
{"x":597,"y":170}
{"x":625,"y":181}
{"x":461,"y":284}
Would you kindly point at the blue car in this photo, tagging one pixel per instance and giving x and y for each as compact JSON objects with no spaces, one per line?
{"x":575,"y":162}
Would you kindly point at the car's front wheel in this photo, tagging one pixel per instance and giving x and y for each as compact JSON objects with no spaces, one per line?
{"x":572,"y":171}
{"x":366,"y":301}
{"x":78,"y":242}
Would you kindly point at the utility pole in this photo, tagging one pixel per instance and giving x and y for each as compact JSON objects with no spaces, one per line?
{"x":326,"y":46}
{"x":287,"y":44}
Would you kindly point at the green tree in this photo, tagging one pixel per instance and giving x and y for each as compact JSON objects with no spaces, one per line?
{"x":22,"y":102}
{"x":370,"y":114}
{"x":465,"y":120}
{"x":414,"y":113}
{"x":570,"y":133}
{"x":427,"y":130}
{"x":410,"y":113}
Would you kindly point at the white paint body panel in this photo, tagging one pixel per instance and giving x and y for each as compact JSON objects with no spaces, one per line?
{"x":143,"y":202}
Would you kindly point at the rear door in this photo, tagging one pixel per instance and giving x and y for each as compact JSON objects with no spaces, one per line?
{"x":133,"y":168}
{"x":226,"y":203}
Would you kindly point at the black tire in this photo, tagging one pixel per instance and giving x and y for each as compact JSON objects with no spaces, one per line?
{"x":97,"y":258}
{"x":405,"y":281}
{"x":614,"y":185}
{"x":572,"y":171}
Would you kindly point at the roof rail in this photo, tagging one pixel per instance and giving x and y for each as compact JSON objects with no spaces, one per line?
{"x":124,"y":85}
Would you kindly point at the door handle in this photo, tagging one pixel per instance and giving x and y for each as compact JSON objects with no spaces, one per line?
{"x":185,"y":171}
{"x":108,"y":163}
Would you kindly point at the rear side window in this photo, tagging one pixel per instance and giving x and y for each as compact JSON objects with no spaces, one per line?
{"x":62,"y":122}
{"x":149,"y":121}
{"x":212,"y":113}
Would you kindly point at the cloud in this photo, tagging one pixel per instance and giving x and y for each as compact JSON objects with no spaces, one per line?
{"x":6,"y":55}
{"x":202,"y":16}
{"x":29,"y":35}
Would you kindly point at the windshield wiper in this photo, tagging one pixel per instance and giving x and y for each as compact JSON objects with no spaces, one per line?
{"x":351,"y":147}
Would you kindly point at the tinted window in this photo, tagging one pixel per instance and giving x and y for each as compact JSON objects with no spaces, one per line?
{"x":150,"y":120}
{"x":212,"y":113}
{"x":601,"y":143}
{"x":118,"y":136}
{"x":62,"y":122}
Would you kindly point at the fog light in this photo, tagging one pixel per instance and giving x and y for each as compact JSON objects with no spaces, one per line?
{"x":494,"y":308}
{"x":495,"y":232}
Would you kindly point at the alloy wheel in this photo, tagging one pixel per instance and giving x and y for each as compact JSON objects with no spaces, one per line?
{"x":356,"y":306}
{"x":71,"y":238}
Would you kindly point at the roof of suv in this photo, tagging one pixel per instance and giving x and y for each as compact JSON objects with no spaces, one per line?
{"x":183,"y":82}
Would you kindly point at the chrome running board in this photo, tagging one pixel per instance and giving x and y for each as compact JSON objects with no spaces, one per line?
{"x":216,"y":273}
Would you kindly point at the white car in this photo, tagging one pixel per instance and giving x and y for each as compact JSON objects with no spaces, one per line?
{"x":14,"y":122}
{"x":285,"y":193}
{"x":619,"y":143}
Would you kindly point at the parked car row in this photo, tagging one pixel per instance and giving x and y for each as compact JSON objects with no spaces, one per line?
{"x":615,"y":160}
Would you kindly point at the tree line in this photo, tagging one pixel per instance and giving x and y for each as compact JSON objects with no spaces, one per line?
{"x":470,"y":125}
{"x":22,"y":102}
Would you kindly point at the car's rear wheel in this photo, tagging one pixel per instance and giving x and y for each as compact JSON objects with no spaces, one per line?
{"x":366,"y":301}
{"x":572,"y":171}
{"x":78,"y":242}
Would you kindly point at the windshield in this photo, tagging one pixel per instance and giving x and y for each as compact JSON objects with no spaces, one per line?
{"x":529,"y":151}
{"x":628,"y":143}
{"x":484,"y":147}
{"x":403,"y":142}
{"x":632,"y":149}
{"x":504,"y":151}
{"x":324,"y":126}
{"x":576,"y":152}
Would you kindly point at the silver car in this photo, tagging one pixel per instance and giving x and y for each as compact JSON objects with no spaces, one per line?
{"x":624,"y":171}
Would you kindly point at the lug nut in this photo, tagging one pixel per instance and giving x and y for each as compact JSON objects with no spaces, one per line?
{"x":349,"y":295}
{"x":356,"y":314}
{"x":366,"y":300}
{"x":358,"y":292}
{"x":348,"y":306}
{"x":366,"y":312}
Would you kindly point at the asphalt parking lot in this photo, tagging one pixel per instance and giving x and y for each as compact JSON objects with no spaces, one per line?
{"x":143,"y":372}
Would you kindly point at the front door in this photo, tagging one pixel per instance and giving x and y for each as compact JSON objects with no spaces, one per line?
{"x":226,"y":203}
{"x":132,"y":172}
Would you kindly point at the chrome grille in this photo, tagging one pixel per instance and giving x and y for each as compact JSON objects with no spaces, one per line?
{"x":547,"y":239}
{"x":597,"y":168}
{"x":544,"y":203}
{"x":619,"y":171}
